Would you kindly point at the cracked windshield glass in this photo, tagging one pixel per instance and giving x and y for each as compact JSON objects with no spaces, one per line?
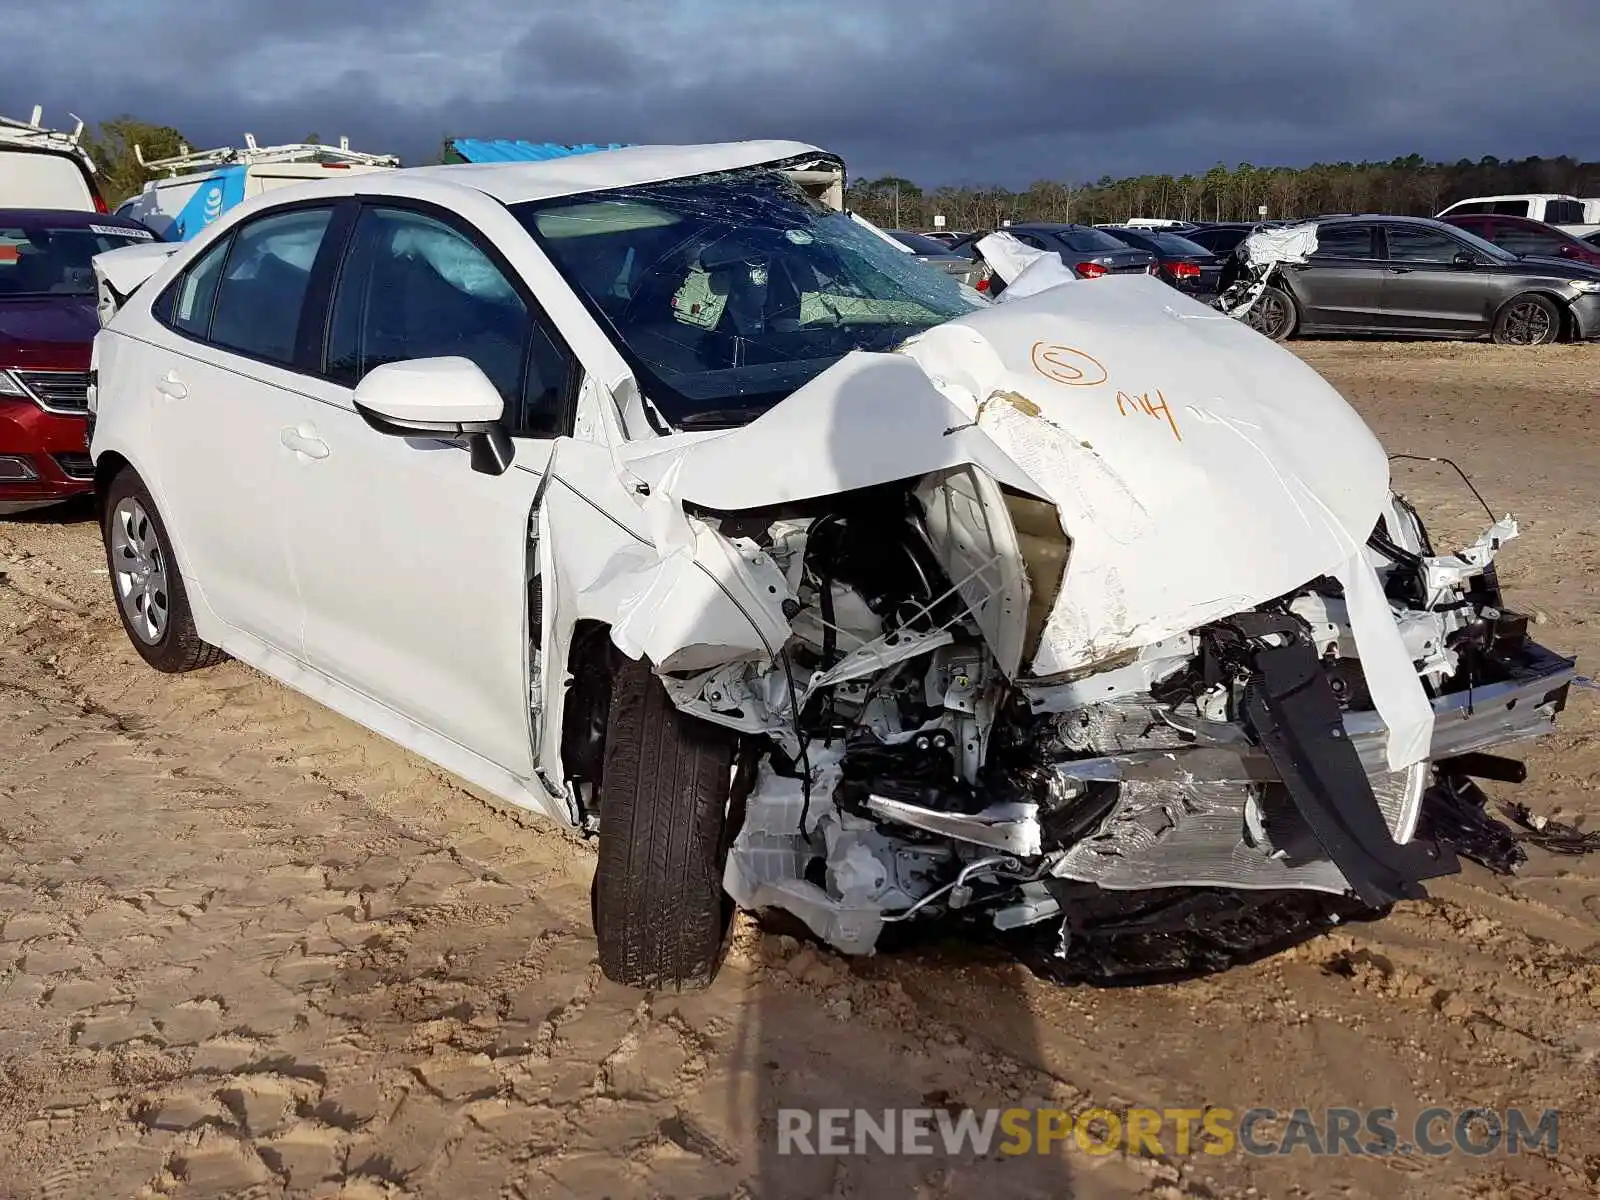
{"x":730,"y":292}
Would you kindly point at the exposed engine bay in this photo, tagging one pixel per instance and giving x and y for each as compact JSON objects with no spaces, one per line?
{"x":1088,"y":613}
{"x":897,"y":773}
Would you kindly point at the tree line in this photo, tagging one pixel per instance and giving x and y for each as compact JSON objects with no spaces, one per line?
{"x":1409,"y":186}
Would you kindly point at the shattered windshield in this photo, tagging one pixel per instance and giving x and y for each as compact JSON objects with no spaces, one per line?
{"x":729,"y":292}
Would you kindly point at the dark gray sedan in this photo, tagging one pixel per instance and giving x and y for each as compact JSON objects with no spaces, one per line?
{"x":1411,"y":277}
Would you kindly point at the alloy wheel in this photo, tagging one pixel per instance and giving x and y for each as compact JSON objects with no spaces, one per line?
{"x":1527,"y":324}
{"x":139,"y":571}
{"x":1268,"y":316}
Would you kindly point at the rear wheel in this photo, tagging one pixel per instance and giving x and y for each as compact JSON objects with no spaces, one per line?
{"x":1273,"y":315}
{"x":1527,"y":320}
{"x":661,"y":916}
{"x":145,"y":581}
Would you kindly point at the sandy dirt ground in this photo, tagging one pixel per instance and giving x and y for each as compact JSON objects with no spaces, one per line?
{"x":248,"y":949}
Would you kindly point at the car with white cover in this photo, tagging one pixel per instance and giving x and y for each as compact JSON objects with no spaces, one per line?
{"x":650,"y":494}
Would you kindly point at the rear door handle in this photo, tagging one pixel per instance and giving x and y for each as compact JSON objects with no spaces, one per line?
{"x":303,"y":439}
{"x":171,"y":386}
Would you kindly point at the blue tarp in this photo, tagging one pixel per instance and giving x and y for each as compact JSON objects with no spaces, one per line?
{"x":476,"y":150}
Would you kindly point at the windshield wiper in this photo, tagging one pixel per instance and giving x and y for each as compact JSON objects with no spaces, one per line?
{"x":712,"y":418}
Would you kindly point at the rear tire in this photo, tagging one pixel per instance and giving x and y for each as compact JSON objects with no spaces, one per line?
{"x":145,"y":582}
{"x":1274,"y":314}
{"x":1527,"y":320}
{"x":661,"y":917}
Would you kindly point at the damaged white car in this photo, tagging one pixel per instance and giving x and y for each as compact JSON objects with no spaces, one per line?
{"x":644,"y":490}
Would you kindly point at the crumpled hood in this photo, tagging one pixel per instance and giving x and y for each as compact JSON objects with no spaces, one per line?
{"x":1198,"y":468}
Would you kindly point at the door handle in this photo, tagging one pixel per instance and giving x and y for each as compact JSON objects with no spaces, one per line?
{"x":1400,"y":270}
{"x":171,"y":386}
{"x":303,"y":439}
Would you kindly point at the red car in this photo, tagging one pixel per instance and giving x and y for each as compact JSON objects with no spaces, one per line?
{"x":1527,"y":237}
{"x":47,"y":328}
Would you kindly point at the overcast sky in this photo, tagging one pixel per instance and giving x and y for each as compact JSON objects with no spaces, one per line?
{"x":943,"y":91}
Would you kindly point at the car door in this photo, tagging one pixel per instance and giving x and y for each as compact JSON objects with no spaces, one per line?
{"x":1436,"y":284}
{"x":413,"y":567}
{"x":225,"y":386}
{"x":1341,"y":284}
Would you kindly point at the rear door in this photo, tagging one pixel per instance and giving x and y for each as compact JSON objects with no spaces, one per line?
{"x":1429,"y":291}
{"x":1341,"y":286}
{"x":226,"y":384}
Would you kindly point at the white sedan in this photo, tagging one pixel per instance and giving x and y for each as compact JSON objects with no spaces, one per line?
{"x":646,"y":491}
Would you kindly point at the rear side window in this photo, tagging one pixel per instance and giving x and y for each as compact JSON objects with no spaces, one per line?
{"x":1344,"y":241}
{"x":1510,"y":208}
{"x":414,"y":287}
{"x":264,"y":283}
{"x":193,"y":296}
{"x":1421,"y":245}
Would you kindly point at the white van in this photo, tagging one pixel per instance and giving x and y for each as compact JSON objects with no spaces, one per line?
{"x":45,"y":168}
{"x":199,"y":186}
{"x":1577,"y":217}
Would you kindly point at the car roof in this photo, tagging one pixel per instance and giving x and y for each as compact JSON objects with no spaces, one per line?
{"x":602,"y":170}
{"x":1382,"y":218}
{"x":69,"y":217}
{"x":1516,"y":196}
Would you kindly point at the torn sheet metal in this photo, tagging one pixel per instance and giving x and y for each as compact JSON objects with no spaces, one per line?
{"x":1262,"y":252}
{"x":118,"y":272}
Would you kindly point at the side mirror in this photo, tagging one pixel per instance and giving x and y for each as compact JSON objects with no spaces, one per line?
{"x":438,"y":398}
{"x":1463,"y":259}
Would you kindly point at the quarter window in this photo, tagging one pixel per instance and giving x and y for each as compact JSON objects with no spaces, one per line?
{"x":1421,"y":246}
{"x":264,"y":284}
{"x":195,"y":293}
{"x":414,"y":287}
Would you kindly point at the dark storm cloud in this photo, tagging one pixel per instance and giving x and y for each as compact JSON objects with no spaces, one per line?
{"x":924,"y":88}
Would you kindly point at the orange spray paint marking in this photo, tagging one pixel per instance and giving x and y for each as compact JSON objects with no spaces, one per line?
{"x":1128,"y":403}
{"x":1065,"y":365}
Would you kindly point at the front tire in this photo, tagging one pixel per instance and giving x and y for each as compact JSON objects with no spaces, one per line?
{"x":1527,"y":320}
{"x":145,"y":581}
{"x":661,"y":917}
{"x":1274,"y":314}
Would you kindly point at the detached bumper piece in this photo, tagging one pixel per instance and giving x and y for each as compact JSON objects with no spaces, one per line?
{"x":1295,"y":713}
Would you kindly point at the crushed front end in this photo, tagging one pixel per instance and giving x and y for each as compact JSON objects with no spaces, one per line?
{"x":901,"y":776}
{"x":1152,"y":644}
